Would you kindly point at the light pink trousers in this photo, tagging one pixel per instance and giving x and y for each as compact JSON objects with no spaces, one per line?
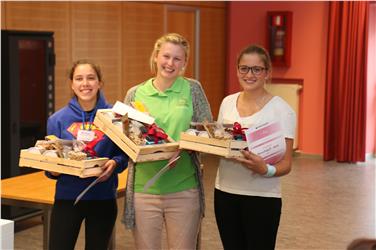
{"x":179,"y":211}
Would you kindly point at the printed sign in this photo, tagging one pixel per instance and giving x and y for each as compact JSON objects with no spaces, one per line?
{"x":267,"y":141}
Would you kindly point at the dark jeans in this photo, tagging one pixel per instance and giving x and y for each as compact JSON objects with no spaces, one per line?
{"x":247,"y":222}
{"x":66,"y":219}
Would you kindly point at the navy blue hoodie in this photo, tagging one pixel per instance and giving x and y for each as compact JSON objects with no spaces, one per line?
{"x":65,"y":124}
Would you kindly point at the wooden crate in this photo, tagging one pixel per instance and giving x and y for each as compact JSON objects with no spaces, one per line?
{"x":225,"y":148}
{"x":136,"y":152}
{"x":83,"y":169}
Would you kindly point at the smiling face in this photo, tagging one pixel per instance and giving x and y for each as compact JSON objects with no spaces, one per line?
{"x":170,"y":61}
{"x":255,"y":78}
{"x":85,"y":85}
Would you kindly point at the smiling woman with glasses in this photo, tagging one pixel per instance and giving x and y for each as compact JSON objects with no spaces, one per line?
{"x":247,"y":196}
{"x":256,"y":70}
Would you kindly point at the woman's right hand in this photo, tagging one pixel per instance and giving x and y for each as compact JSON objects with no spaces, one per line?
{"x":253,"y":162}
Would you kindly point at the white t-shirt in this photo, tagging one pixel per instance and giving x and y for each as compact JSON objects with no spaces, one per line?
{"x":233,"y":177}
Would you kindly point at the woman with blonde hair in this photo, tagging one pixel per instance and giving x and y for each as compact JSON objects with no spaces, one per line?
{"x":176,"y":199}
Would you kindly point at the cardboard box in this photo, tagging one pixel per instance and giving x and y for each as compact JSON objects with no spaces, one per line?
{"x":136,"y":152}
{"x":225,"y":148}
{"x":83,"y":169}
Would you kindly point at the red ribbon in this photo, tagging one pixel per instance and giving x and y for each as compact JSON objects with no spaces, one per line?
{"x":238,"y":130}
{"x":89,"y":148}
{"x":157,"y":133}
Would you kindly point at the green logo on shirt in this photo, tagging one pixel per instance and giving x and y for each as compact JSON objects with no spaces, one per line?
{"x":183,"y":102}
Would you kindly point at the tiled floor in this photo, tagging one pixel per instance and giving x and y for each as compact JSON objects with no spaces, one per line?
{"x":325,"y":206}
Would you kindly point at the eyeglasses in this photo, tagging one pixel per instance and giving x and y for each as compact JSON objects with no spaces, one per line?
{"x":256,"y":70}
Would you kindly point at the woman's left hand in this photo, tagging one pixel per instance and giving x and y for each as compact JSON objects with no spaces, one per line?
{"x":108,"y":169}
{"x":253,"y":162}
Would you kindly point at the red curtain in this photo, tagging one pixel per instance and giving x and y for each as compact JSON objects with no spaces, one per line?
{"x":345,"y":100}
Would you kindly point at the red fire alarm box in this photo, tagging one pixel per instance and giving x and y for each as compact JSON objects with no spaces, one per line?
{"x":279,"y":33}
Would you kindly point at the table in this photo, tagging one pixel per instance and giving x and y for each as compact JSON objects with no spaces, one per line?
{"x":37,"y":191}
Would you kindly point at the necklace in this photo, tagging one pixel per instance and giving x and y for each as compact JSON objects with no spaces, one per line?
{"x":261,"y":101}
{"x":247,"y":107}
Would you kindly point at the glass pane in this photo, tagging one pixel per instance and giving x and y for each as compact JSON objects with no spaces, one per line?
{"x":32,"y":72}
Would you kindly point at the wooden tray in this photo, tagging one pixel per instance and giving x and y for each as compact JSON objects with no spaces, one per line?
{"x":135,"y":152}
{"x":83,"y":169}
{"x":225,"y":148}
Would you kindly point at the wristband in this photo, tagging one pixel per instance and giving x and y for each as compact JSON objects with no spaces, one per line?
{"x":271,"y":171}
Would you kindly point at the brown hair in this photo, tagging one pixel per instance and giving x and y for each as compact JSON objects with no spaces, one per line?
{"x":168,"y":38}
{"x":256,"y":49}
{"x":362,"y":244}
{"x":96,"y":68}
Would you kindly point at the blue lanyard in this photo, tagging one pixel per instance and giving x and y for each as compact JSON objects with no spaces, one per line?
{"x":90,"y":120}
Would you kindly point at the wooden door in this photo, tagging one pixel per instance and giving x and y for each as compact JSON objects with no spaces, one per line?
{"x":182,"y":20}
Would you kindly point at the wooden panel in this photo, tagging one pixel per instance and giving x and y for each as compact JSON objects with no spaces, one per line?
{"x":142,"y":25}
{"x":120,"y":37}
{"x":46,"y":16}
{"x":183,"y":22}
{"x":96,"y":35}
{"x":212,"y":58}
{"x":3,"y":23}
{"x":203,"y":4}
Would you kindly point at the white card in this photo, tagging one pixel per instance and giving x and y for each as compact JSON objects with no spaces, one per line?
{"x":267,"y":141}
{"x":122,"y":109}
{"x":85,"y":135}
